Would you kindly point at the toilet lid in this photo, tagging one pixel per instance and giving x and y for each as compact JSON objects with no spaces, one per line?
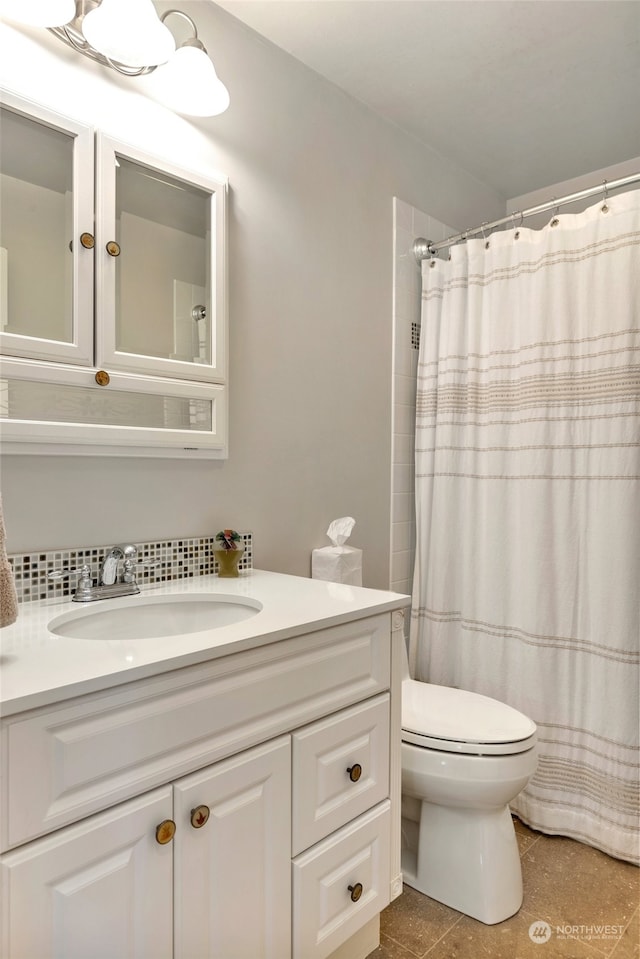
{"x":457,"y":720}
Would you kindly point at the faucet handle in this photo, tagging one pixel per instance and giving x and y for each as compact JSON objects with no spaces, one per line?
{"x":85,"y":580}
{"x":130,"y":567}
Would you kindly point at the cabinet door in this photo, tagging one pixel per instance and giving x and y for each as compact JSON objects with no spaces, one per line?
{"x":233,"y":863}
{"x":160,"y":266}
{"x":97,"y":890}
{"x":46,"y":197}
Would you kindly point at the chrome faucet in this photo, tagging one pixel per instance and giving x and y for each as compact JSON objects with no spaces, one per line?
{"x":117,"y":575}
{"x":109,"y":571}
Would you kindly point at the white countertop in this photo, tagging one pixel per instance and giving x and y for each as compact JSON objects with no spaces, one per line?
{"x":38,"y":668}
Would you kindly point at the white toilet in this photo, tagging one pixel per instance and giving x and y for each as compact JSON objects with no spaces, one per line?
{"x":465,"y":757}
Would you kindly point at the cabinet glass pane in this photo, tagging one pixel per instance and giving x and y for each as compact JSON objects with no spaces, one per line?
{"x":36,"y":169}
{"x":163,"y":299}
{"x":45,"y":402}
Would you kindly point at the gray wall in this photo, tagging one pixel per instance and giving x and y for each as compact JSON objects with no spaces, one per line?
{"x":313,"y":175}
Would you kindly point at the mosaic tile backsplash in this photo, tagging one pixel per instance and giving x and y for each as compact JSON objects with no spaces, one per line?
{"x":172,"y":559}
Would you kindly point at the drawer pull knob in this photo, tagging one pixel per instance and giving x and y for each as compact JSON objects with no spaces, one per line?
{"x":355,"y":772}
{"x":165,"y":831}
{"x":199,"y":816}
{"x":356,"y":891}
{"x":113,"y":248}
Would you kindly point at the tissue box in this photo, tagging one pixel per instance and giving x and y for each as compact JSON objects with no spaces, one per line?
{"x":337,"y":564}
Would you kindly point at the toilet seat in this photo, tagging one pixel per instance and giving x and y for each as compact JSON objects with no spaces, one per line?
{"x":456,"y":720}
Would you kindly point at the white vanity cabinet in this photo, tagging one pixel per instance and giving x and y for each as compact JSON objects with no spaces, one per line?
{"x":102,"y":888}
{"x":113,"y":310}
{"x":277,"y":767}
{"x":123,"y":883}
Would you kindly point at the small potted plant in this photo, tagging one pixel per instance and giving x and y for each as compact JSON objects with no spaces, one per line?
{"x":228,"y":550}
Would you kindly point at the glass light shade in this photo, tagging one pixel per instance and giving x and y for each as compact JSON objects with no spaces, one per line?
{"x":39,"y":13}
{"x":189,"y":84}
{"x":129,"y":32}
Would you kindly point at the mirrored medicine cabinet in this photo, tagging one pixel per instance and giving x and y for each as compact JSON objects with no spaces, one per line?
{"x":113,"y":303}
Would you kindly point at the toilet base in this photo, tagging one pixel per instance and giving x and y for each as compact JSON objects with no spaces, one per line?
{"x":467,"y":859}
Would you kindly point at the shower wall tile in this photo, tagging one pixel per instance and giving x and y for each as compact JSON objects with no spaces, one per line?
{"x":404,"y":418}
{"x":401,"y":566}
{"x":402,"y":478}
{"x":404,"y":216}
{"x":405,"y":388}
{"x":404,"y":537}
{"x":403,"y":448}
{"x":402,"y":509}
{"x":407,"y":290}
{"x":409,"y":224}
{"x":421,"y":223}
{"x":408,"y":310}
{"x":403,"y":364}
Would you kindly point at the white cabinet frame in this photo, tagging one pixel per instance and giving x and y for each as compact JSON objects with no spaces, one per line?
{"x":93,"y":345}
{"x":107,"y":354}
{"x":128,"y":438}
{"x":80,"y":349}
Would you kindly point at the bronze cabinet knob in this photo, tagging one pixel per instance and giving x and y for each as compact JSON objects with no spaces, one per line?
{"x":199,"y":816}
{"x":113,"y":248}
{"x":165,"y":831}
{"x":86,"y":239}
{"x":102,"y":378}
{"x":356,"y":891}
{"x":355,"y":772}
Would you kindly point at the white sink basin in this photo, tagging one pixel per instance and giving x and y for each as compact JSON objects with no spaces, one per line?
{"x":145,"y":617}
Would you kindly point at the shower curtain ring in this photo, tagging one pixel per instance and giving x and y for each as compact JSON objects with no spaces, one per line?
{"x":605,"y":206}
{"x":554,"y":219}
{"x":516,"y":231}
{"x":484,"y":236}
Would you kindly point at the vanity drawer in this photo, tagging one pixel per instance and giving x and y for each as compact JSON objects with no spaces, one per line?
{"x":62,"y":763}
{"x":326,"y":912}
{"x":340,"y":769}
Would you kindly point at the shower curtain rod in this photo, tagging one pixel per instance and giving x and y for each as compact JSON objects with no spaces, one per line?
{"x":422,"y":249}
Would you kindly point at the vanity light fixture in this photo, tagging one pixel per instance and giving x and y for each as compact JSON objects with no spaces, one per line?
{"x":188,"y":83}
{"x":128,"y":33}
{"x":129,"y":37}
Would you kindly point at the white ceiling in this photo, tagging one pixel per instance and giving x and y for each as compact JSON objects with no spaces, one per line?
{"x":520,"y":93}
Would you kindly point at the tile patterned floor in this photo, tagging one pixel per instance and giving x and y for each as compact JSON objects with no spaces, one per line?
{"x":565,"y":884}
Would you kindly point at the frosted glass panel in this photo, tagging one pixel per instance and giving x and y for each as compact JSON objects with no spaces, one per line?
{"x":44,"y":402}
{"x":163,"y":227}
{"x":36,"y":169}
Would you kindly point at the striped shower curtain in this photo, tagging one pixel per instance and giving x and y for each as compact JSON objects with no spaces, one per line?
{"x":527,"y":577}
